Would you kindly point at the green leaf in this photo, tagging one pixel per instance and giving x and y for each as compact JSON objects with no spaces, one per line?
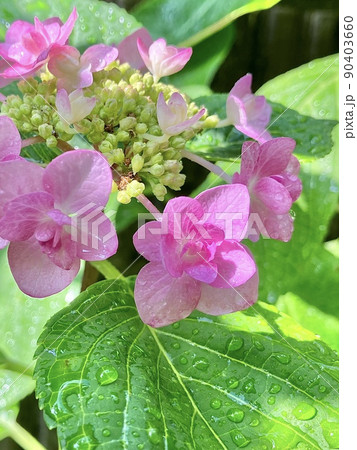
{"x":206,"y":59}
{"x":98,"y":22}
{"x":21,"y":321}
{"x":312,"y":136}
{"x":255,"y":377}
{"x":311,"y":89}
{"x":40,"y":153}
{"x":188,"y":23}
{"x":325,"y":325}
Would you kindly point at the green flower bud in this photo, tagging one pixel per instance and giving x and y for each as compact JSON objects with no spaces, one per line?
{"x":27,"y":127}
{"x":155,"y":130}
{"x":39,"y":100}
{"x":98,"y":124}
{"x":159,"y":191}
{"x":156,"y":159}
{"x":157,"y":170}
{"x":105,"y":146}
{"x":129,"y":105}
{"x":51,"y":142}
{"x":123,"y":197}
{"x":14,"y":113}
{"x":45,"y":130}
{"x":123,"y":136}
{"x":173,"y":166}
{"x":25,"y":109}
{"x":173,"y":180}
{"x":152,"y":148}
{"x":128,"y":123}
{"x":36,"y":119}
{"x":118,"y":155}
{"x":137,"y":163}
{"x":112,"y":139}
{"x":211,"y":121}
{"x":141,"y":128}
{"x":135,"y":78}
{"x":138,"y":147}
{"x":135,"y":188}
{"x":178,"y":142}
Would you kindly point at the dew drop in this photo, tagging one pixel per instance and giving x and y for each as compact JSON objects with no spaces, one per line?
{"x":275,"y":388}
{"x":107,"y":375}
{"x":249,"y":387}
{"x":234,"y":344}
{"x":304,"y":411}
{"x":233,"y":382}
{"x":258,"y":345}
{"x":322,"y":388}
{"x":135,"y":433}
{"x":195,"y":331}
{"x":330,"y":432}
{"x":154,"y":436}
{"x":239,"y":439}
{"x":216,"y":403}
{"x":106,"y":432}
{"x":283,"y":358}
{"x":183,"y":360}
{"x":176,"y":325}
{"x":201,"y":364}
{"x":271,"y":401}
{"x":254,"y":423}
{"x":235,"y":415}
{"x":176,"y":345}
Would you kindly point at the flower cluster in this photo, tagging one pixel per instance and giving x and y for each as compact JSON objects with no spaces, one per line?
{"x":110,"y":98}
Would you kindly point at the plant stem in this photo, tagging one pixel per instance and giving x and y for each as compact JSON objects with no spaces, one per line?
{"x":64,"y":146}
{"x":22,"y":437}
{"x":149,"y":206}
{"x":31,"y":141}
{"x":207,"y":165}
{"x":107,"y":269}
{"x":158,"y":139}
{"x":223,"y":123}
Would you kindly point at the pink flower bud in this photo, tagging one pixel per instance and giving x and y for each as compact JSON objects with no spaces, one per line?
{"x":172,"y":116}
{"x":74,"y":107}
{"x":162,"y":59}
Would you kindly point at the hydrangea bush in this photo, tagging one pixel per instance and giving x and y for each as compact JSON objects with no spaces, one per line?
{"x":182,"y":355}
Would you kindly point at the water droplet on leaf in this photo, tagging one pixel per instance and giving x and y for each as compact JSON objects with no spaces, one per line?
{"x":107,"y":375}
{"x":304,"y":411}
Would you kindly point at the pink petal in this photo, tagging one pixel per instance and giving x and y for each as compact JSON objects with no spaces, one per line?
{"x":34,"y":272}
{"x":19,"y":177}
{"x":275,"y":156}
{"x":171,"y":253}
{"x":217,"y":301}
{"x":242,"y":87}
{"x":10,"y":142}
{"x":165,"y":115}
{"x":23,"y":214}
{"x":63,"y":105}
{"x":236,"y":111}
{"x":235,"y":265}
{"x":128,"y":48}
{"x":53,"y":28}
{"x":67,"y":28}
{"x":144,"y":53}
{"x":147,"y":240}
{"x":64,"y":61}
{"x":180,"y":216}
{"x":273,"y":194}
{"x":3,"y":243}
{"x":99,"y":56}
{"x":179,"y":128}
{"x":227,"y":207}
{"x":17,"y":29}
{"x":95,"y":236}
{"x":279,"y":227}
{"x":250,"y":156}
{"x":62,"y":252}
{"x":80,"y":181}
{"x":176,"y":62}
{"x":161,"y":299}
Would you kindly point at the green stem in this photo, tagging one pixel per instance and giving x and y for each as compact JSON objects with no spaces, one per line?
{"x":107,"y":269}
{"x":207,"y":164}
{"x":22,"y":437}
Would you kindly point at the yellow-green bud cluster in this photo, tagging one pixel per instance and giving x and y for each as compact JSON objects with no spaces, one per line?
{"x":123,"y":126}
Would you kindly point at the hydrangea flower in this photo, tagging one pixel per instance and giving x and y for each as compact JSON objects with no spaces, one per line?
{"x":162,"y":59}
{"x":172,"y":116}
{"x":270,"y":172}
{"x":74,"y":107}
{"x":128,"y":48}
{"x":74,"y":71}
{"x":10,"y":142}
{"x":52,"y":218}
{"x":27,"y":46}
{"x":196,"y":259}
{"x":249,"y":113}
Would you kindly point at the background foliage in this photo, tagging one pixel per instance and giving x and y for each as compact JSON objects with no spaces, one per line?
{"x":252,"y":379}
